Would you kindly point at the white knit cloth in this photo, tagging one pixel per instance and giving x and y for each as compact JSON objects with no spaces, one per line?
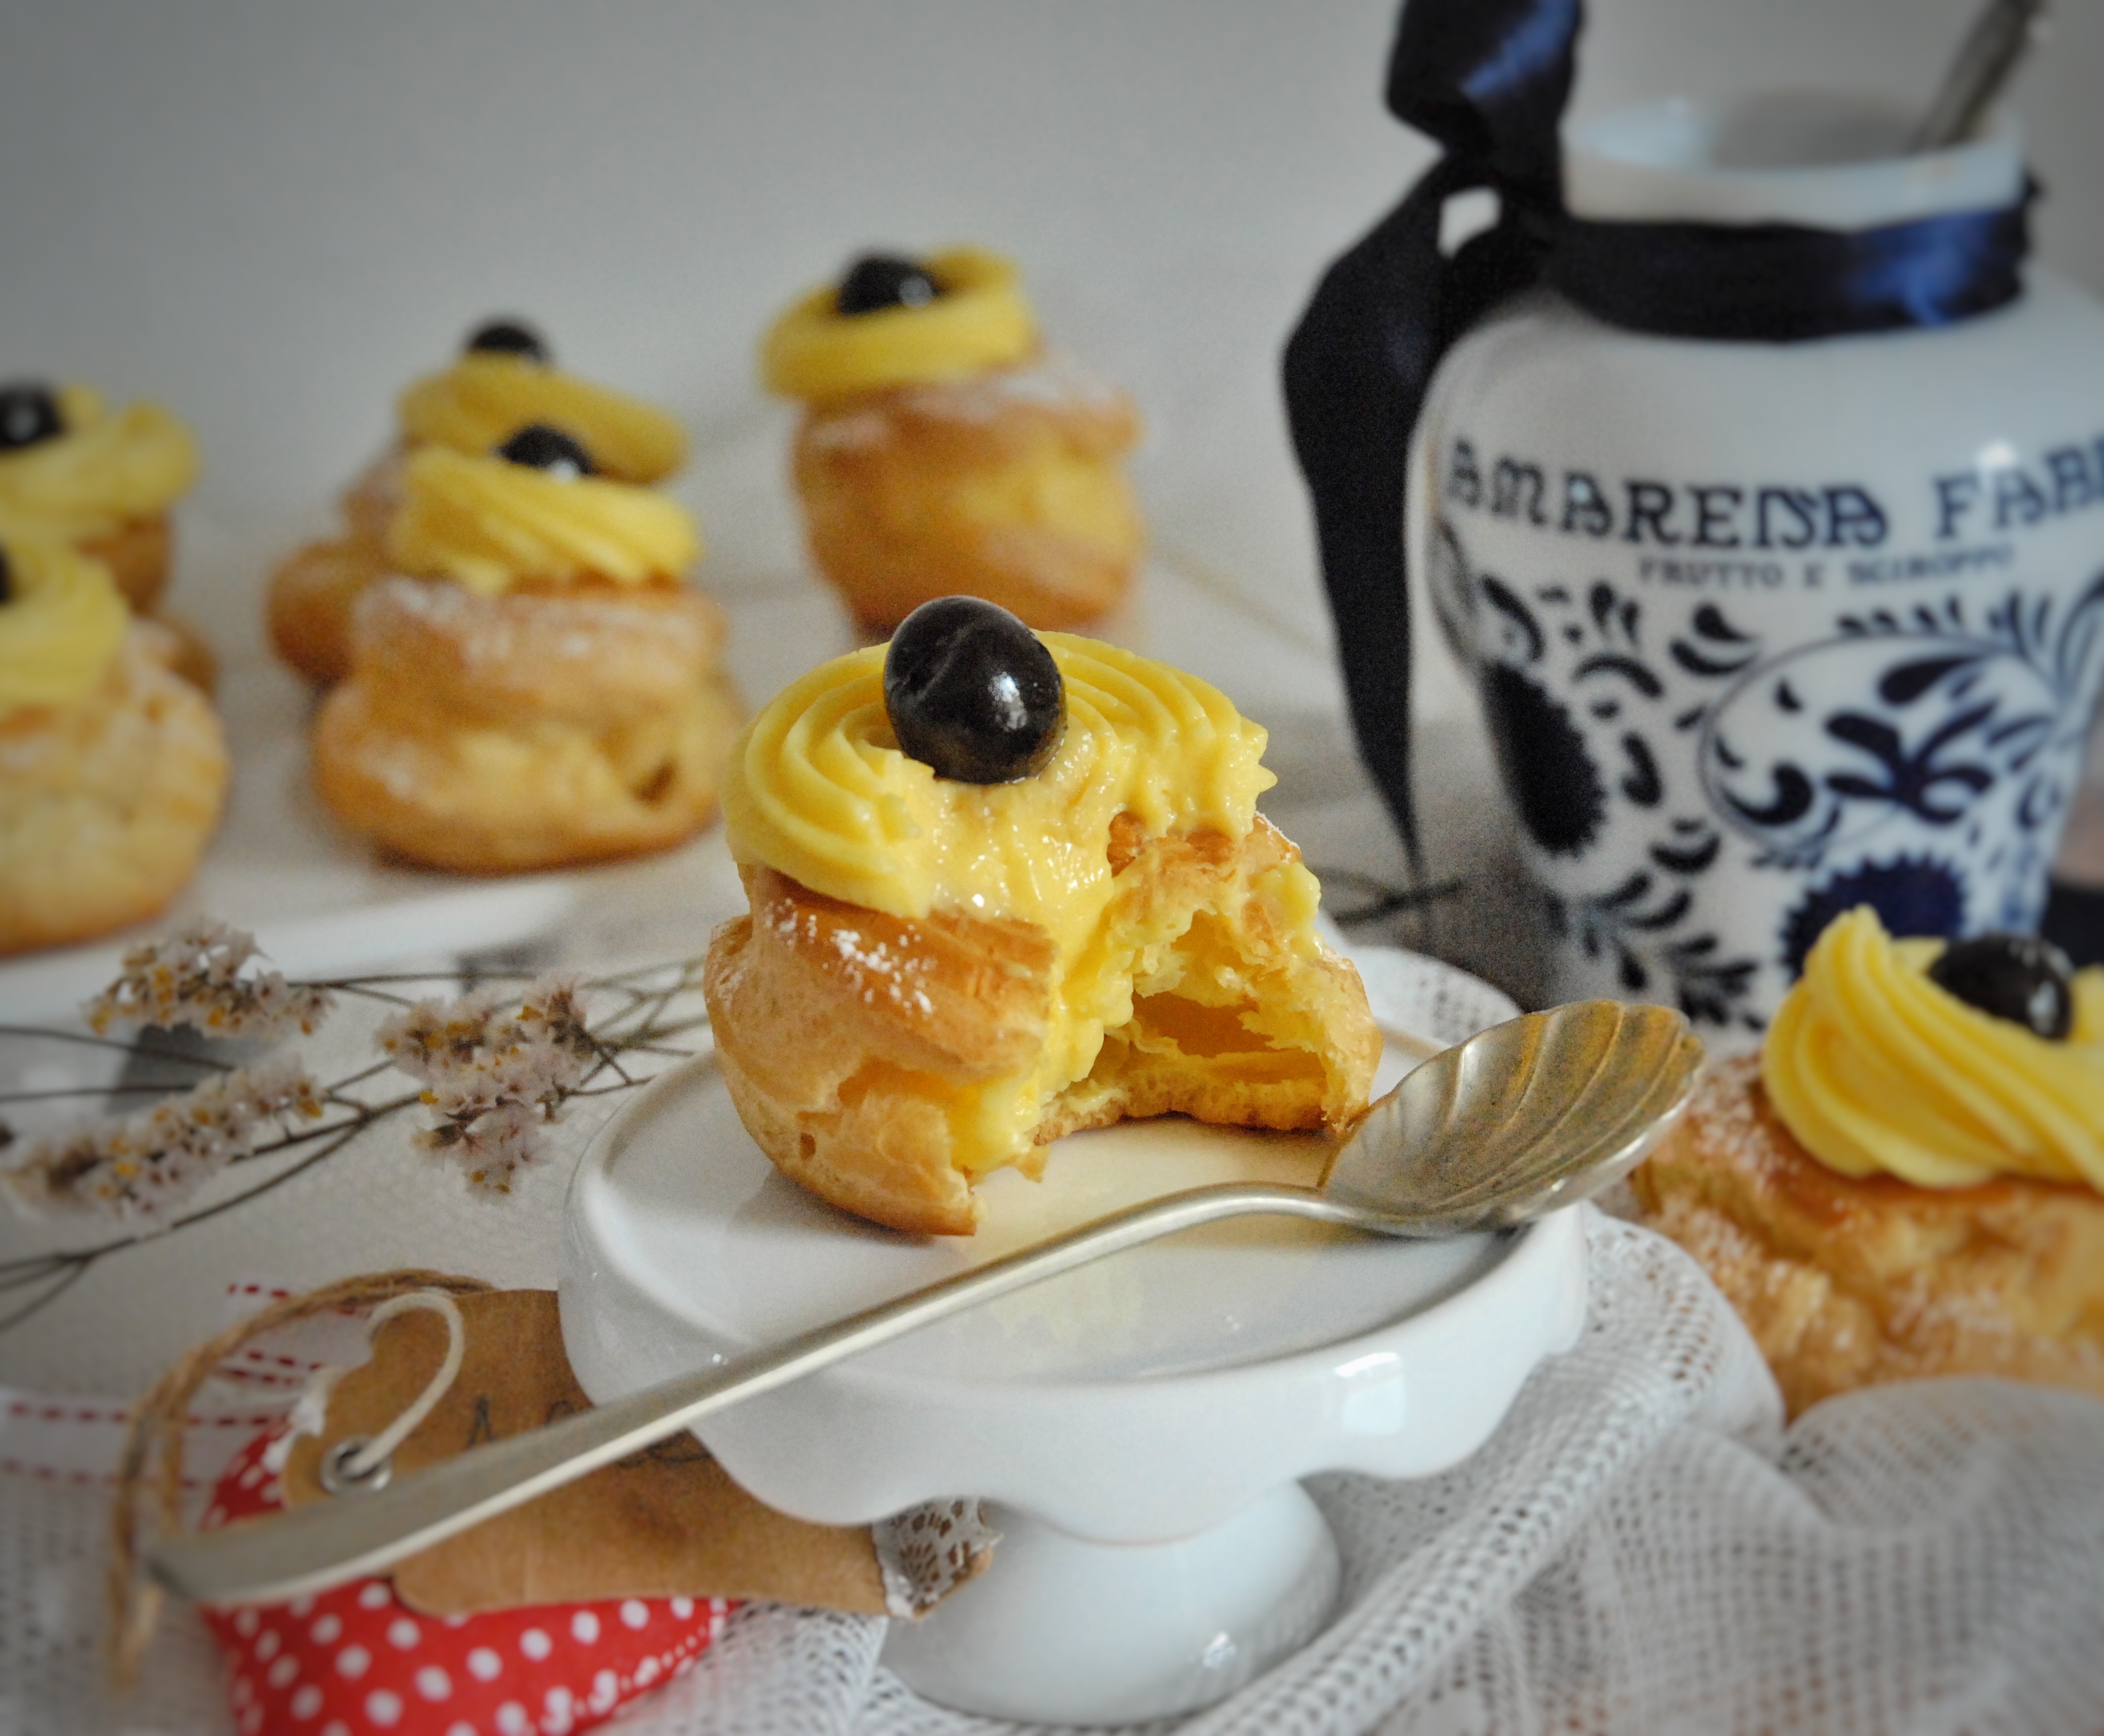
{"x":1641,"y":1547}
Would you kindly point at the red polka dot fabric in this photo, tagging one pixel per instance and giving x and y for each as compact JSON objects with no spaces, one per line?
{"x":354,"y":1662}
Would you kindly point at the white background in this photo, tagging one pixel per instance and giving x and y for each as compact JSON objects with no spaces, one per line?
{"x":271,"y":214}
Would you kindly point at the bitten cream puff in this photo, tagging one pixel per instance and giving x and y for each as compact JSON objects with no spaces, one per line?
{"x":101,"y":479}
{"x":1006,"y":886}
{"x":1906,"y":1180}
{"x":113,"y":768}
{"x":538,"y":687}
{"x":942,"y":450}
{"x":504,"y":380}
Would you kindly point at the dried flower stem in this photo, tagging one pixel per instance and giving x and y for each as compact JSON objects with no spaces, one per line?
{"x":494,"y":1094}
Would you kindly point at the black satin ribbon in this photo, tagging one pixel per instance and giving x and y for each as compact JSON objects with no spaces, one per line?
{"x":1488,"y":79}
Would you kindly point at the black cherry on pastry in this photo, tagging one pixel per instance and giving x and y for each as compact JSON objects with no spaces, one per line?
{"x":7,"y":580}
{"x":973,"y":692}
{"x":883,"y":280}
{"x":541,"y":447}
{"x":2014,"y":977}
{"x":510,"y":337}
{"x":28,"y":415}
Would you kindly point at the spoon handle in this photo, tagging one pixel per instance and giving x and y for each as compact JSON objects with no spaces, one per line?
{"x":1992,"y":50}
{"x":364,"y":1530}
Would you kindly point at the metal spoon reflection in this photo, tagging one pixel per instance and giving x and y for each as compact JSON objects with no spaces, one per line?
{"x":1525,"y":1117}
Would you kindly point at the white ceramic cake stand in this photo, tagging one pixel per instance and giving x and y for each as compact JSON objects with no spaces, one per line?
{"x":1138,"y":1427}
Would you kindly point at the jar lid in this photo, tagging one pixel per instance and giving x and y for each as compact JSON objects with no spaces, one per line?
{"x":1822,"y":160}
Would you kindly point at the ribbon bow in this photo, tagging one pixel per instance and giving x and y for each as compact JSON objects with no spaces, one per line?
{"x":1488,"y":79}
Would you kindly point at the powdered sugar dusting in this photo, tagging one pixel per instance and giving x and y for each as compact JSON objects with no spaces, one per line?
{"x":1052,"y":382}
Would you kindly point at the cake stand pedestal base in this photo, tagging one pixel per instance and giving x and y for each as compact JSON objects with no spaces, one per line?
{"x":1069,"y":1632}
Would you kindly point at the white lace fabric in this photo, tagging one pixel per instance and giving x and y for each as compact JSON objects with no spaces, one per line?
{"x":1641,"y":1547}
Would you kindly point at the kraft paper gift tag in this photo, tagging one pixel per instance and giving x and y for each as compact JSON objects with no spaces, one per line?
{"x":667,"y":1522}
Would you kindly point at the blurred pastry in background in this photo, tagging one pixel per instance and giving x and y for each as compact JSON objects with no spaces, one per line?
{"x":113,"y":767}
{"x":1905,"y":1182}
{"x":504,"y":379}
{"x":104,"y":481}
{"x":941,"y":450}
{"x":538,"y":686}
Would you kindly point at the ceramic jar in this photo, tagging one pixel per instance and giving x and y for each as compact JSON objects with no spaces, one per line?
{"x":1763,"y":630}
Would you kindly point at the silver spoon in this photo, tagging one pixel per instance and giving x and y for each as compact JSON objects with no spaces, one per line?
{"x":1522,"y":1118}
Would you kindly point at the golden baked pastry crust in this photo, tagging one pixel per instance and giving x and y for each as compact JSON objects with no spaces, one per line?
{"x":842,"y":1031}
{"x":106,"y":805}
{"x":491,"y":734}
{"x":1844,"y":1283}
{"x":138,"y":553}
{"x":313,"y":591}
{"x":1008,"y":487}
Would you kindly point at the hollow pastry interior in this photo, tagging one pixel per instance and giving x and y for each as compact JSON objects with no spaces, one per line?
{"x":1845,"y":1280}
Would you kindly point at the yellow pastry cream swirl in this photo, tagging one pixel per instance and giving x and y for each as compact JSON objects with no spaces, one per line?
{"x":104,"y":471}
{"x":61,"y":622}
{"x":491,"y":524}
{"x":1876,"y":1068}
{"x":818,"y":789}
{"x":488,"y":396}
{"x":979,"y":320}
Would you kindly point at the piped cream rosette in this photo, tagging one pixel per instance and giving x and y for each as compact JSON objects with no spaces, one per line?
{"x":942,"y":451}
{"x":112,"y":767}
{"x":106,"y":482}
{"x":493,"y":526}
{"x":540,"y":689}
{"x":103,"y":470}
{"x":485,"y":397}
{"x":471,"y":407}
{"x":1876,"y":1069}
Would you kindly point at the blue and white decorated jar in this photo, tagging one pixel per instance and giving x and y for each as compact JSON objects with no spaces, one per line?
{"x":1763,"y":631}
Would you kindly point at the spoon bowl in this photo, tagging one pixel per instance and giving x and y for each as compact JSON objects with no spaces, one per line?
{"x":1531,"y":1114}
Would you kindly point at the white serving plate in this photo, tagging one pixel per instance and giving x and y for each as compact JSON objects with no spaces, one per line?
{"x":1125,"y":1419}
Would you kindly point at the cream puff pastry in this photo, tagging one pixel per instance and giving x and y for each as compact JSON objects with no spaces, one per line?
{"x":942,"y":450}
{"x":536,"y":687}
{"x":1905,"y":1182}
{"x":504,"y":380}
{"x":113,"y":768}
{"x":1004,"y":888}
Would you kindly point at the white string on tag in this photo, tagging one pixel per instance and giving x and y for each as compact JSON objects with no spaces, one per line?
{"x":362,"y":1462}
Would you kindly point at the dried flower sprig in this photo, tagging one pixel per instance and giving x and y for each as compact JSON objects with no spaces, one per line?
{"x":141,"y":1169}
{"x":496,"y":1068}
{"x":493,"y":1078}
{"x":201,"y":976}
